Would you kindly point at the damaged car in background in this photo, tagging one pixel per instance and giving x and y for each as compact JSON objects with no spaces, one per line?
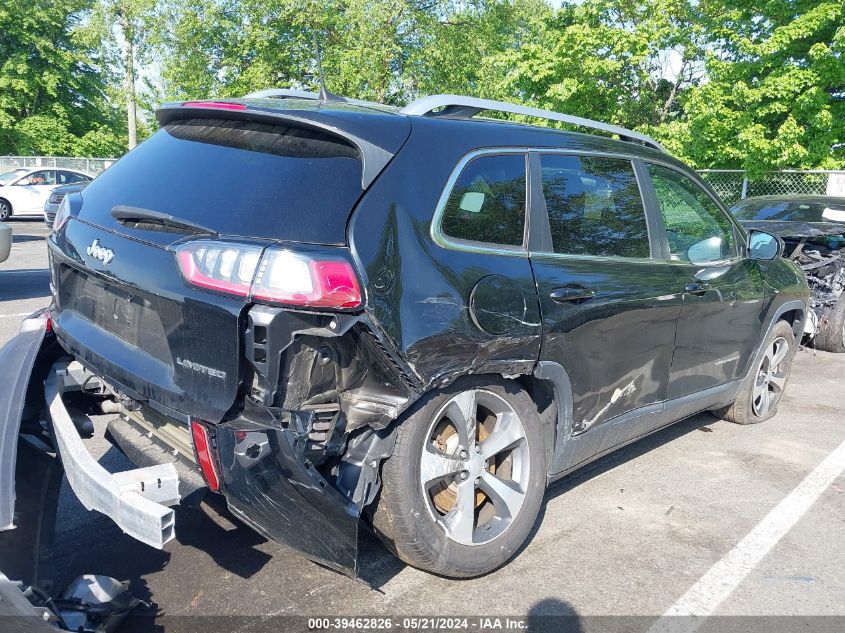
{"x":813,"y":228}
{"x":333,"y":312}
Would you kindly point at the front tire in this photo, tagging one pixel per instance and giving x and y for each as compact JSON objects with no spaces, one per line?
{"x":831,"y":336}
{"x":762,"y":390}
{"x":463,"y":487}
{"x":5,"y":210}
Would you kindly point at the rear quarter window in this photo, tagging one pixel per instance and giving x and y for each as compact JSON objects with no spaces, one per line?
{"x":487,"y":202}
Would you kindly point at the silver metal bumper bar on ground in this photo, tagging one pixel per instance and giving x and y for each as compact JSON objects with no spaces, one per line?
{"x":136,"y":500}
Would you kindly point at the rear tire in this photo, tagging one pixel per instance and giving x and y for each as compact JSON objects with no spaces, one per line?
{"x":762,"y":390}
{"x":5,"y":210}
{"x":459,"y":498}
{"x":831,"y":336}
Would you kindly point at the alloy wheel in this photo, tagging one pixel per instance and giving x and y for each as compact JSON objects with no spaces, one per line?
{"x":474,"y":467}
{"x":5,"y":212}
{"x":771,"y":377}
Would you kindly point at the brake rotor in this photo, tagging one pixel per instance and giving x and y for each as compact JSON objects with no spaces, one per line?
{"x":446,"y":496}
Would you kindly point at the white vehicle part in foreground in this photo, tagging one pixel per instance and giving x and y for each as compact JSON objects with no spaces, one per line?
{"x":811,"y":324}
{"x":136,"y":500}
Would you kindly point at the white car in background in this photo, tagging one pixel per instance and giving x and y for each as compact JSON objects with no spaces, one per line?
{"x":24,"y":191}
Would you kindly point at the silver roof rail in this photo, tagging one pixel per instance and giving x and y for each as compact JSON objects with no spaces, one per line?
{"x":288,"y":93}
{"x":460,"y":107}
{"x":282,"y":93}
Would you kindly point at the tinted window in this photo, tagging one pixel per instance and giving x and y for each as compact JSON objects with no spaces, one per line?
{"x":68,"y":177}
{"x":487,"y":203}
{"x":236,"y":177}
{"x":788,"y":210}
{"x":696,"y":227}
{"x":594,"y":206}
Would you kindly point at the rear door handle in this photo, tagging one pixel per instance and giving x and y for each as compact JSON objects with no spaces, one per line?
{"x":572,"y":293}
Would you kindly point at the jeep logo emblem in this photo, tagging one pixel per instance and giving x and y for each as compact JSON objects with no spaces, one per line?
{"x":100,"y":253}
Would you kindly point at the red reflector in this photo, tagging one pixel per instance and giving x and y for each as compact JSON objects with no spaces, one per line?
{"x":48,"y":321}
{"x":217,"y":105}
{"x":202,"y":445}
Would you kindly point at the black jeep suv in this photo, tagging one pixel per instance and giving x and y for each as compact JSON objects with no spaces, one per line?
{"x":326,"y":310}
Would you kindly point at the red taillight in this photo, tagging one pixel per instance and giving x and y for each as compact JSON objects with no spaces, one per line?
{"x":298,"y":279}
{"x":276,"y":275}
{"x":202,"y":445}
{"x":217,"y":105}
{"x":221,"y":266}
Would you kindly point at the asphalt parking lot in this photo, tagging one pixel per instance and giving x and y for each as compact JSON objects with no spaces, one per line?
{"x":628,"y":536}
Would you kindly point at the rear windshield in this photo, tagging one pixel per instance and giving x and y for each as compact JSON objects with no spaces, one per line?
{"x":789,"y":211}
{"x":236,"y":177}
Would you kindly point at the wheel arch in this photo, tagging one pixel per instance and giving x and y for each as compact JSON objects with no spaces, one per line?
{"x":794,"y":313}
{"x":552,"y":376}
{"x":795,"y":317}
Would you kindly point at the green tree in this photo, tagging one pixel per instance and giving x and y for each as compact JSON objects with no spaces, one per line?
{"x":606,"y":59}
{"x":722,"y":84}
{"x":125,"y":33}
{"x":775,"y":91}
{"x":51,"y":89}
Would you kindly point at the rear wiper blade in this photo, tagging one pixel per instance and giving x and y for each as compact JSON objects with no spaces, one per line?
{"x":125,"y":213}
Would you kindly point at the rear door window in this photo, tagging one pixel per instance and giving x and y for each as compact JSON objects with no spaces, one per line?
{"x":69,"y":177}
{"x":238,"y":178}
{"x":594,"y":206}
{"x":487,"y":203}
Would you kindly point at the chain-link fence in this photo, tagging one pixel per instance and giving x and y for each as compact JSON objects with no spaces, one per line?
{"x":733,"y":185}
{"x":92,"y":166}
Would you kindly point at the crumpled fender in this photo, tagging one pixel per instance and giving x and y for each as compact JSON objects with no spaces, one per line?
{"x":271,"y":486}
{"x":17,"y":359}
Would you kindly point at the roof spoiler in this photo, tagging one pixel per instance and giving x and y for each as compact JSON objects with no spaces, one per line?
{"x":373,"y":158}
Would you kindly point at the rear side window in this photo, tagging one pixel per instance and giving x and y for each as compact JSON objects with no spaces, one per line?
{"x":69,"y":177}
{"x":594,"y":206}
{"x":487,"y":203}
{"x":238,"y":178}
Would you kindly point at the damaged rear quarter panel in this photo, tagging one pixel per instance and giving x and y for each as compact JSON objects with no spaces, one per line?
{"x":426,"y":299}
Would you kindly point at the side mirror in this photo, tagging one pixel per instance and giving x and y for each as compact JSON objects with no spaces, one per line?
{"x":764,"y":246}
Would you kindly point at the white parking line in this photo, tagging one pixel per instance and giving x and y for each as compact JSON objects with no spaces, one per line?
{"x":719,"y":582}
{"x":19,"y":314}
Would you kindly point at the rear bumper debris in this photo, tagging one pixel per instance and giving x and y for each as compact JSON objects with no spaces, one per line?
{"x":90,"y":604}
{"x":19,"y":614}
{"x":136,"y":500}
{"x":267,"y":459}
{"x":17,"y":358}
